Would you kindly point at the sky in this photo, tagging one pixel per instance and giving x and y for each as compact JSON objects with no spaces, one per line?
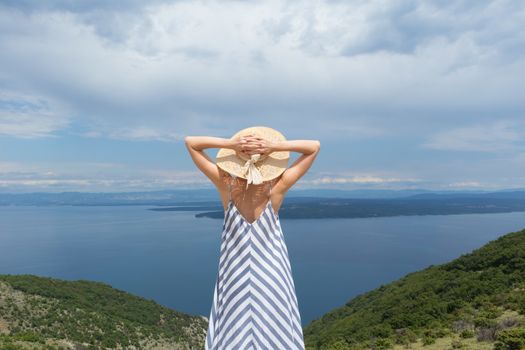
{"x":97,"y":96}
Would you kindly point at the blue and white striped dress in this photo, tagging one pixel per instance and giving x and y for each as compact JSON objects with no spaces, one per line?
{"x":254,"y":302}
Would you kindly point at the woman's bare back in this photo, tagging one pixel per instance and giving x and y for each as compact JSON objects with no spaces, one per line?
{"x":251,"y":201}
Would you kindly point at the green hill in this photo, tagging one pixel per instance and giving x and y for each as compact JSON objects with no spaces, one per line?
{"x":476,"y":301}
{"x":47,"y":313}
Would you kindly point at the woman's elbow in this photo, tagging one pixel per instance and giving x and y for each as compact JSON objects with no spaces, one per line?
{"x":317,"y":145}
{"x":188,"y":140}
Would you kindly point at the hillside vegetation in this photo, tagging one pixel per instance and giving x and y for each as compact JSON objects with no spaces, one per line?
{"x":47,"y":313}
{"x":476,"y":301}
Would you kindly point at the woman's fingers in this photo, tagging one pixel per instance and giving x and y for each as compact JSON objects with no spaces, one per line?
{"x":252,"y":138}
{"x":259,"y":150}
{"x":253,"y":144}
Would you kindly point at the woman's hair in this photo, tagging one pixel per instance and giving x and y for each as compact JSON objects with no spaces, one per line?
{"x":239,"y":190}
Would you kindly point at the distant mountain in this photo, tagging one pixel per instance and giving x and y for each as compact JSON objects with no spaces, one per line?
{"x":297,"y":204}
{"x":198,"y":196}
{"x":332,"y":208}
{"x":109,"y":198}
{"x":48,"y":313}
{"x":499,"y":195}
{"x":476,"y":301}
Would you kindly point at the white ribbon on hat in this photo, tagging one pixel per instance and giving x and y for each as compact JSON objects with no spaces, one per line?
{"x":254,"y":175}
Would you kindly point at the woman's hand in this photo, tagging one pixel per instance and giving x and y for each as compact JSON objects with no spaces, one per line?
{"x":253,"y":144}
{"x":240,"y":145}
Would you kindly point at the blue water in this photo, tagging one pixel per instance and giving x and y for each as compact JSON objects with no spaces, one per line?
{"x":172,"y":257}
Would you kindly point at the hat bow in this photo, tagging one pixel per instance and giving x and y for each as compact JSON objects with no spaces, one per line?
{"x":250,"y":170}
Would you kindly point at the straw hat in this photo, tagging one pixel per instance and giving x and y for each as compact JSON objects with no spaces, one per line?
{"x":258,"y":167}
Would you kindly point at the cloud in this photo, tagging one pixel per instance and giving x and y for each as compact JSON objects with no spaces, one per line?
{"x":29,"y":116}
{"x":91,"y":184}
{"x":17,"y":170}
{"x":465,"y":184}
{"x":359,"y":180}
{"x":96,"y":176}
{"x":351,"y":28}
{"x":384,"y":73}
{"x":115,"y":177}
{"x":92,"y":176}
{"x":145,"y":133}
{"x":182,"y":66}
{"x":499,"y":136}
{"x":136,"y":134}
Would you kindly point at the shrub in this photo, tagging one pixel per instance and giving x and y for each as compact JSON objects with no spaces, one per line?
{"x":338,"y":345}
{"x":467,"y":333}
{"x":405,"y":336}
{"x":457,"y":344}
{"x":510,"y":339}
{"x":484,"y":322}
{"x":382,"y":344}
{"x":428,"y":339}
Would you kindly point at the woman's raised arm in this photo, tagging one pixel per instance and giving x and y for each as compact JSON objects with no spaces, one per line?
{"x":196,"y":146}
{"x":309,"y":150}
{"x":253,"y":144}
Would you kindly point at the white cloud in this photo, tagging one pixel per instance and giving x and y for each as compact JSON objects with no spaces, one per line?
{"x":358,"y":180}
{"x":146,"y":133}
{"x":178,"y":66}
{"x":466,"y":184}
{"x":30,"y":116}
{"x":38,"y":169}
{"x":355,"y":179}
{"x":502,"y":135}
{"x":93,"y":184}
{"x":338,"y":71}
{"x":93,"y":176}
{"x":11,"y":167}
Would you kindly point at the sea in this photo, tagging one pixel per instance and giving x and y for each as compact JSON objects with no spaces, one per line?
{"x":172,"y":257}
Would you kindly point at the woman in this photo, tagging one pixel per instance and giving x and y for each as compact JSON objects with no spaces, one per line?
{"x":254,"y":301}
